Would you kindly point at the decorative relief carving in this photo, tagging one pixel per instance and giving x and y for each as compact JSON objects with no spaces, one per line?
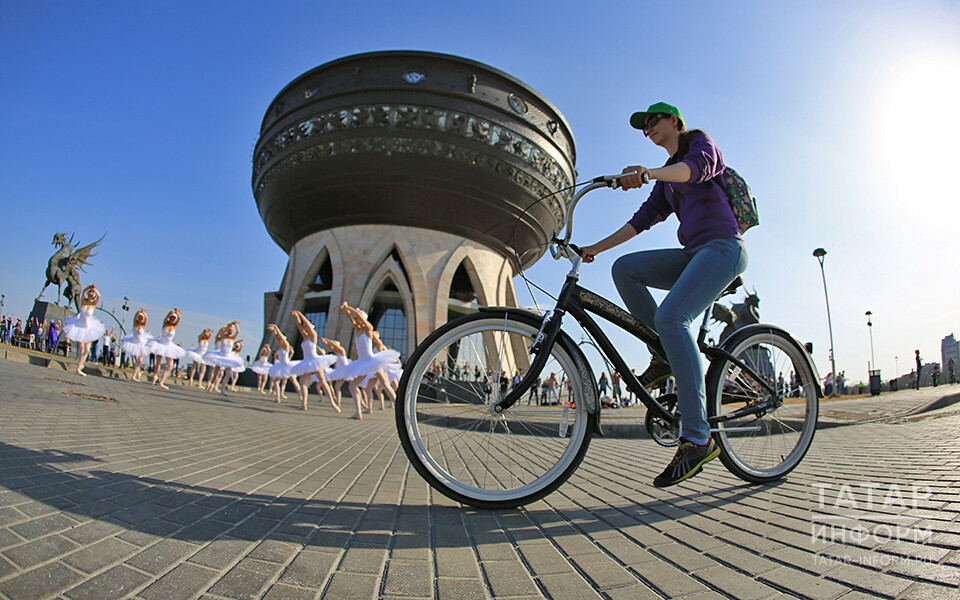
{"x":415,"y":117}
{"x":424,"y":147}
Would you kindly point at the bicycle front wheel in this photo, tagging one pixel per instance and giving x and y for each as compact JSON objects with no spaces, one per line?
{"x":766,"y":446}
{"x":455,"y":440}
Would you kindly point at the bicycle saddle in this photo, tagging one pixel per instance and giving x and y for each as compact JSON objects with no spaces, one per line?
{"x":733,"y":287}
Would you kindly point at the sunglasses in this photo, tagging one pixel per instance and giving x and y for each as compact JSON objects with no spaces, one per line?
{"x":653,"y":121}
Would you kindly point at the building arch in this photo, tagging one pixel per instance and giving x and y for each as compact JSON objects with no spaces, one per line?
{"x":389,"y":274}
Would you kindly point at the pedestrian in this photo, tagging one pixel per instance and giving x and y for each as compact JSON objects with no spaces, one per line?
{"x":919,"y":367}
{"x":52,"y":337}
{"x":602,"y":384}
{"x":551,"y":396}
{"x":615,"y":387}
{"x":534,"y":395}
{"x":713,"y":254}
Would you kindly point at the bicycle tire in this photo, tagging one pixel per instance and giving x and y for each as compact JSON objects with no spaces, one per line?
{"x":778,"y":440}
{"x":459,"y":445}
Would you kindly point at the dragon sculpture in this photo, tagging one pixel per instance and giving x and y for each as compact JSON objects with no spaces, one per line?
{"x":738,"y":315}
{"x":65,"y":266}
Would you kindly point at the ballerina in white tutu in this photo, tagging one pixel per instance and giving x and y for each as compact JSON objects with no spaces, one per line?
{"x":392,"y":370}
{"x":369,"y":364}
{"x":163,"y":347}
{"x":223,"y":359}
{"x":196,"y":353}
{"x":262,"y":368}
{"x":281,"y":371}
{"x":135,"y":344}
{"x":314,"y":362}
{"x":85,"y":328}
{"x":237,"y":349}
{"x":335,"y":375}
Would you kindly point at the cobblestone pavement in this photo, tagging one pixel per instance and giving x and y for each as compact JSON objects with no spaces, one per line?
{"x":111,"y":489}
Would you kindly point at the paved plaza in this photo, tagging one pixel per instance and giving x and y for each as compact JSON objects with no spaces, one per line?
{"x":112,"y":489}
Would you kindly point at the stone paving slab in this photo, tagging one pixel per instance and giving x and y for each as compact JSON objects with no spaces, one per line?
{"x":183,"y":494}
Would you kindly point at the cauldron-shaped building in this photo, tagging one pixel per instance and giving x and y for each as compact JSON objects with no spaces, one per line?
{"x":407,"y":183}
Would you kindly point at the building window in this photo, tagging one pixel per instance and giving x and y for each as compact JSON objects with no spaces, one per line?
{"x":324,"y":279}
{"x":389,"y":320}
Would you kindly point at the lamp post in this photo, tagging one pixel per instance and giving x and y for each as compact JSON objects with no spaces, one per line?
{"x":820,"y":253}
{"x":873,"y":361}
{"x":125,"y":308}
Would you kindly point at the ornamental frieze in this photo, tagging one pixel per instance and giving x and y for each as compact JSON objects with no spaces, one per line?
{"x":415,"y":117}
{"x":419,"y":146}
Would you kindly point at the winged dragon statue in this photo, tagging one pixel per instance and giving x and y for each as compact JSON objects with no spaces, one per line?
{"x":64,"y":268}
{"x":738,"y":315}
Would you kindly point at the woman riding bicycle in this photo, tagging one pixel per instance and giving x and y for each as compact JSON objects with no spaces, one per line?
{"x":713,"y":254}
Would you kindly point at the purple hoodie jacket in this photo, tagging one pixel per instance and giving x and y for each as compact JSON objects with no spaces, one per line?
{"x":701,"y":204}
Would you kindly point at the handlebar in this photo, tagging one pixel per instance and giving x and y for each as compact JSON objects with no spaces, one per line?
{"x":608,"y":181}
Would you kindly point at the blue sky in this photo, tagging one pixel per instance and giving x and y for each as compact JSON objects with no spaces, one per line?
{"x":139,"y":119}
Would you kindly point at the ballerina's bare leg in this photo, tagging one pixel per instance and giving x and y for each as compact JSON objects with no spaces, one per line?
{"x":137,"y":367}
{"x":166,"y":373}
{"x":323,"y":384}
{"x":357,"y":394}
{"x":84,"y":350}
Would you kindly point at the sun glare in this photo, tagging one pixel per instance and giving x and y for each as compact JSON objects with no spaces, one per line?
{"x":918,"y":127}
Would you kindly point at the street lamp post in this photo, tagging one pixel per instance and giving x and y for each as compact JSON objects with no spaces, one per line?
{"x":873,"y":361}
{"x":125,"y":308}
{"x":820,"y":253}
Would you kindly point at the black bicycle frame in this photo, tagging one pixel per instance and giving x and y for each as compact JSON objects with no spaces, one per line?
{"x":577,"y":301}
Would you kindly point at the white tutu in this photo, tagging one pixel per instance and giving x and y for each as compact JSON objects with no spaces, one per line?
{"x":225,"y":357}
{"x":84,"y":327}
{"x":313,"y":362}
{"x":368,"y":363}
{"x":164,"y":346}
{"x":261,"y":367}
{"x":283,"y":367}
{"x":135,"y":344}
{"x":195,"y":353}
{"x":394,"y":371}
{"x":336,"y":372}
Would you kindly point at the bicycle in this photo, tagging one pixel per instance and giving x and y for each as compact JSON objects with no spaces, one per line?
{"x":491,"y":451}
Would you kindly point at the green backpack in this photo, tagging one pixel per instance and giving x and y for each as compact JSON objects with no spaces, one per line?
{"x":742,"y":202}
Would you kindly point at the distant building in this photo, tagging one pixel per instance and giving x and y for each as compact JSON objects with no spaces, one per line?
{"x":949,"y":348}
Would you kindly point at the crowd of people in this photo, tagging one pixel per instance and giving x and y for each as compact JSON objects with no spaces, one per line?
{"x":372,"y":377}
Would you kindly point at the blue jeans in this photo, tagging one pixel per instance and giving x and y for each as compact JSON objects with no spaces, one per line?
{"x":695,"y":277}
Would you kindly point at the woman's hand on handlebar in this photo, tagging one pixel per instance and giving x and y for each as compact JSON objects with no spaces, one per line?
{"x":641,"y":175}
{"x":588,"y":253}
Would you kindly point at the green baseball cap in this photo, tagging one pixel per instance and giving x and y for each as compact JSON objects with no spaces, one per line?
{"x":639,"y":119}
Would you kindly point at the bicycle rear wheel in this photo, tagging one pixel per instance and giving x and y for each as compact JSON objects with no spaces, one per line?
{"x":763,"y":447}
{"x":465,"y":450}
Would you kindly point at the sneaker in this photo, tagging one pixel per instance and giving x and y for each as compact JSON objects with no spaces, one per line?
{"x":687,"y":462}
{"x":655,"y":374}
